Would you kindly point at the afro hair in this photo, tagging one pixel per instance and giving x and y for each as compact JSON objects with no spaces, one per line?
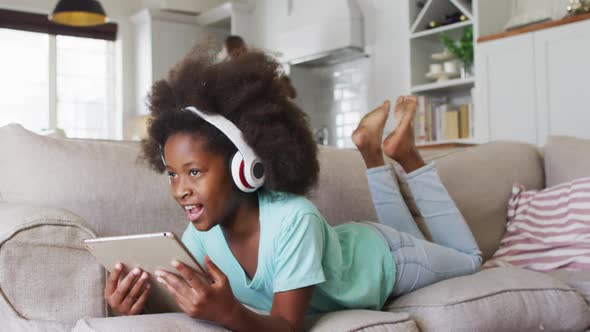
{"x":247,"y":90}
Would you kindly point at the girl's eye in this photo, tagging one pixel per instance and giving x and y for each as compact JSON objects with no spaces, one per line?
{"x":171,"y":174}
{"x":194,"y":172}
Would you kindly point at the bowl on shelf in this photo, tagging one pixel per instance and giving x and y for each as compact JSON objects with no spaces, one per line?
{"x":442,"y":56}
{"x":442,"y":76}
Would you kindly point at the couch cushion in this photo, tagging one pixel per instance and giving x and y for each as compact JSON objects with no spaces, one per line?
{"x":51,"y":277}
{"x":578,"y":280}
{"x":479,"y":180}
{"x":101,"y":181}
{"x":342,"y":193}
{"x":499,"y":299}
{"x":178,"y":322}
{"x":566,"y":159}
{"x":348,"y":320}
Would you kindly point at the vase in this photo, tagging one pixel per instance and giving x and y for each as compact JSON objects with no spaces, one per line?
{"x":466,"y":71}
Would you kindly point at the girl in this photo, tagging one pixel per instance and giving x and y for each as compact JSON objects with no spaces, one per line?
{"x":271,"y":249}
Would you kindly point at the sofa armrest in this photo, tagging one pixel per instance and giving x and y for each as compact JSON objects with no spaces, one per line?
{"x":347,"y":320}
{"x":178,"y":322}
{"x":46,"y":274}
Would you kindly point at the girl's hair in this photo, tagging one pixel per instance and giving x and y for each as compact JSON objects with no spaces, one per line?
{"x":247,"y":91}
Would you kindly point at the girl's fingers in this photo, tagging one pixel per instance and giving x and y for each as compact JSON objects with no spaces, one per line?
{"x":218,"y":275}
{"x":124,"y":286}
{"x":192,"y":277}
{"x":112,"y":280}
{"x":181,"y":300}
{"x":140,"y":303}
{"x":135,"y":291}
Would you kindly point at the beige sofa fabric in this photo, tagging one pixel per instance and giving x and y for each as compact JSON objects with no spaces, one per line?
{"x":341,"y":321}
{"x":578,"y":280}
{"x":362,"y":320}
{"x":178,"y":322}
{"x":566,"y":159}
{"x":479,"y":179}
{"x":47,"y":275}
{"x":500,"y":299}
{"x":98,"y":180}
{"x":342,"y":193}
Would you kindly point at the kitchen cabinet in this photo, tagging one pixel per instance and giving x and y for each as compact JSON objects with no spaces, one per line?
{"x":563,"y":72}
{"x":534,"y":84}
{"x":505,"y":75}
{"x":161,"y":40}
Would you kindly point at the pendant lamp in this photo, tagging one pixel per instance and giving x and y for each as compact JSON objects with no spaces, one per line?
{"x":80,"y":13}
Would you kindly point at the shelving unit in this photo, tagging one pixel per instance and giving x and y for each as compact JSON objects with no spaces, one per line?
{"x":423,"y":42}
{"x":452,"y":85}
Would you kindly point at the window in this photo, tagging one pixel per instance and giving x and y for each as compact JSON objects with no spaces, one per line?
{"x":24,"y":81}
{"x":50,"y":80}
{"x":85,"y":87}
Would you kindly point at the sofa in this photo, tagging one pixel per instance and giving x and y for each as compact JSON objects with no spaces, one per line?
{"x":54,"y":193}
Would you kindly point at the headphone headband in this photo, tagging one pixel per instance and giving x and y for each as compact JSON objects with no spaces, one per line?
{"x":246,"y":168}
{"x":229,"y":129}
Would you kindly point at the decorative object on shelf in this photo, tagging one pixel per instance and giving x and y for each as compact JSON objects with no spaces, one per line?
{"x":442,"y":72}
{"x":449,"y":19}
{"x":576,"y":7}
{"x":443,"y":56}
{"x":463,"y":49}
{"x":526,"y":12}
{"x":80,"y":13}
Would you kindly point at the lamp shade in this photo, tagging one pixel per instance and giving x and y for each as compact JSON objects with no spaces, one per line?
{"x":81,"y":13}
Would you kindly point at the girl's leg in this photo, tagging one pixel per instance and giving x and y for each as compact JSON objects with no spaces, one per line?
{"x":444,"y":220}
{"x":420,"y":263}
{"x":387,"y":199}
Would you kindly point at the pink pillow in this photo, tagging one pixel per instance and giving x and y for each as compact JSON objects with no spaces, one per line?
{"x":548,"y":229}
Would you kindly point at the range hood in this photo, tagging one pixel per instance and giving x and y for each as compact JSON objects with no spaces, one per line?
{"x":325,"y":40}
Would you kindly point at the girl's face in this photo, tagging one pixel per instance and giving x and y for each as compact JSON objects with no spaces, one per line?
{"x":200,"y":181}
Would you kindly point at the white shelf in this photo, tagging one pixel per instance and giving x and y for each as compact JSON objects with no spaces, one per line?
{"x":465,"y":6}
{"x":450,"y":85}
{"x":448,"y":141}
{"x":436,"y":31}
{"x":434,"y":10}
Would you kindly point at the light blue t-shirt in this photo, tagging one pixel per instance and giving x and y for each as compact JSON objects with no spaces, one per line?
{"x":350,"y":264}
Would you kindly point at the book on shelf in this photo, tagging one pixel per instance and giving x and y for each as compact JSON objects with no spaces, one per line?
{"x":436,"y":119}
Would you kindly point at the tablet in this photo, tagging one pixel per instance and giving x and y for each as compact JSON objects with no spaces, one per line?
{"x":150,"y":252}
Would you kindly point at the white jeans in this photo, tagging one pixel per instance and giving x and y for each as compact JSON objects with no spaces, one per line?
{"x":419,"y":263}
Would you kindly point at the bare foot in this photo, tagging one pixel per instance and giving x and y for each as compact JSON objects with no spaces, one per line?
{"x":369,"y":133}
{"x":399,"y":145}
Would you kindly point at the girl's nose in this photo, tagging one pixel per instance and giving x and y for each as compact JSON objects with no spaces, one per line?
{"x":182,"y":192}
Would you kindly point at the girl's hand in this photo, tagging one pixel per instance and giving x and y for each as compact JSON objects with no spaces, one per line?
{"x":196,"y":297}
{"x":128,"y":295}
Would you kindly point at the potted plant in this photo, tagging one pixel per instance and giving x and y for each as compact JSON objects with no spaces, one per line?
{"x":462,"y":49}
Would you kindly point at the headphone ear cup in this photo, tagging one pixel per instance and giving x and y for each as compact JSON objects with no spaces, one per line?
{"x":237,"y":173}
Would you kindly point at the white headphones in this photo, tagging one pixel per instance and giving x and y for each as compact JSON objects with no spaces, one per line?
{"x":246,"y":168}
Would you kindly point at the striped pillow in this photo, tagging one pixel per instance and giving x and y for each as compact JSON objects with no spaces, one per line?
{"x":548,"y":229}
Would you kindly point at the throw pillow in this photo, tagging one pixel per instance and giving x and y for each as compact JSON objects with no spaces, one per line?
{"x":548,"y":229}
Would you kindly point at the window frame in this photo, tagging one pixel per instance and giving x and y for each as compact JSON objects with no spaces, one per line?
{"x":39,"y":23}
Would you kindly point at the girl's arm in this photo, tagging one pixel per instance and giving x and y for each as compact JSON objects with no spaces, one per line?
{"x":216,"y":302}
